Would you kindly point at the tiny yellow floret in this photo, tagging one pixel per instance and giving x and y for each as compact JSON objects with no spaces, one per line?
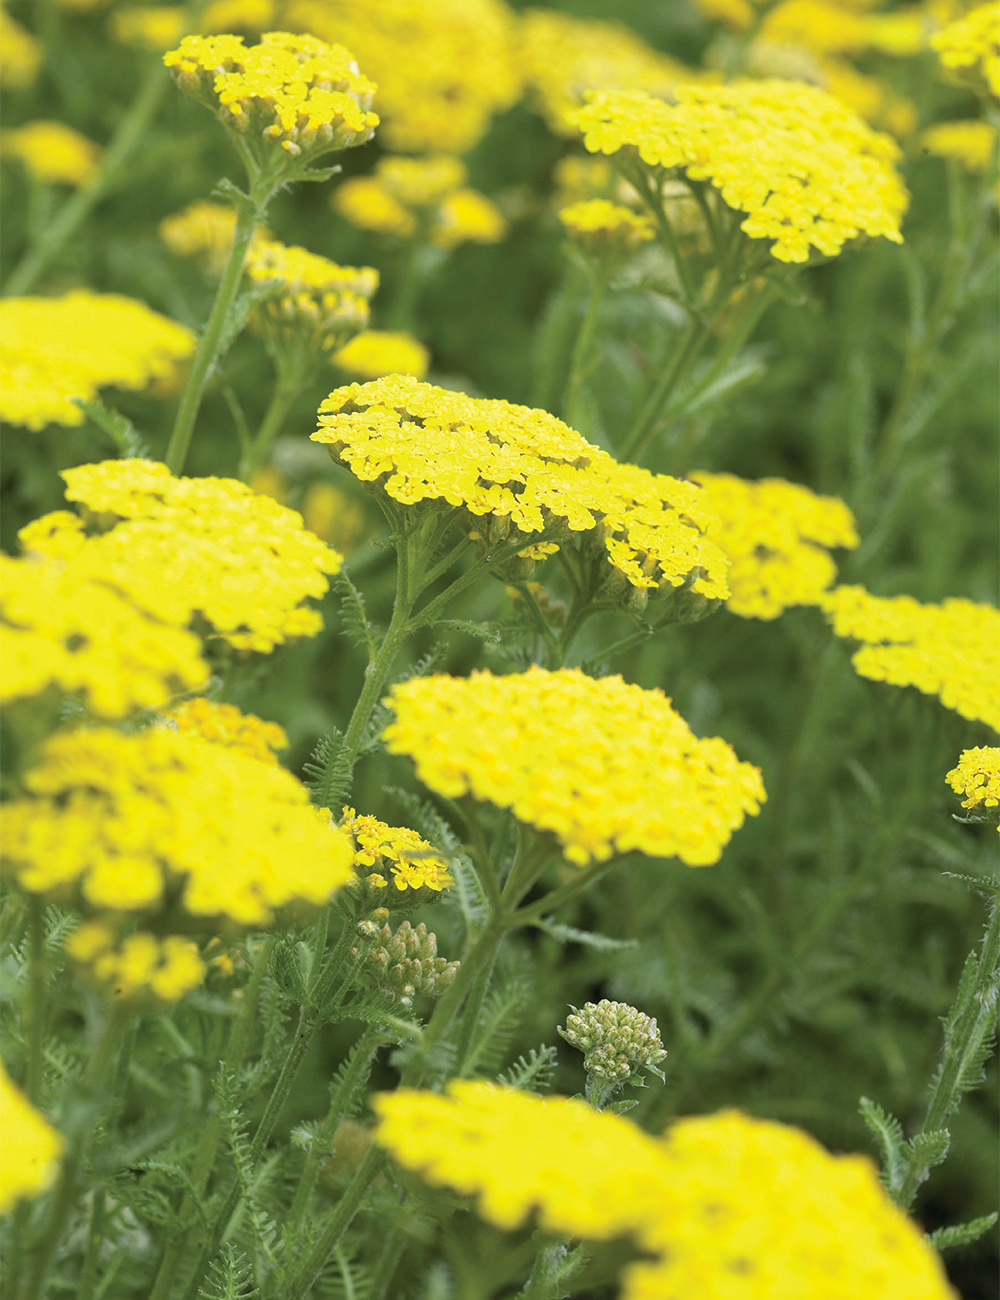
{"x":606,"y":231}
{"x":54,"y":153}
{"x":31,"y":1147}
{"x":411,"y":862}
{"x":317,"y":305}
{"x":605,"y":765}
{"x":977,"y":776}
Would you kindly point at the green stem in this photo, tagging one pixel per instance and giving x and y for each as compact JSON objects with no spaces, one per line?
{"x":972,"y":1020}
{"x":639,"y":178}
{"x":91,"y":1259}
{"x":644,"y":427}
{"x":248,"y":217}
{"x":359,"y":1067}
{"x":75,"y":210}
{"x":36,"y":999}
{"x":579,"y":366}
{"x":287,"y":387}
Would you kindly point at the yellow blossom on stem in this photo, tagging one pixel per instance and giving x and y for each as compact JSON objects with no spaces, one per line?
{"x":606,"y":766}
{"x":606,"y":231}
{"x":54,"y":153}
{"x":951,"y":650}
{"x":971,"y":142}
{"x":776,"y":536}
{"x":159,"y":819}
{"x":31,"y":1147}
{"x":731,"y":1207}
{"x":808,"y":171}
{"x":224,"y":724}
{"x":977,"y":776}
{"x":20,"y":54}
{"x":204,"y":229}
{"x":468,"y":217}
{"x":970,"y":46}
{"x":139,"y":965}
{"x":53,"y":350}
{"x":443,"y":67}
{"x":393,"y":854}
{"x":373,"y":354}
{"x":423,"y":444}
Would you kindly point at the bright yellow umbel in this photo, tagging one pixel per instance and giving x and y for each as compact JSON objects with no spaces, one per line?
{"x":31,"y":1147}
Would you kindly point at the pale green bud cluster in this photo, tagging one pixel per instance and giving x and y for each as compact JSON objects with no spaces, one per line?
{"x":617,"y":1041}
{"x":404,"y":964}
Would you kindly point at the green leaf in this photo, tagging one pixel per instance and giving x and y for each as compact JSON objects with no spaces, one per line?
{"x":589,"y":939}
{"x":961,"y":1234}
{"x":118,"y":427}
{"x":985,"y":885}
{"x":621,"y":1107}
{"x":888,"y":1133}
{"x":230,"y":1277}
{"x":243,"y":306}
{"x":482,"y":631}
{"x":354,"y":614}
{"x":533,"y":1073}
{"x":328,"y":772}
{"x":286,"y":969}
{"x":928,"y":1149}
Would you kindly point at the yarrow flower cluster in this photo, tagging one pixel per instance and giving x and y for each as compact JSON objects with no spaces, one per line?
{"x":951,"y":650}
{"x":317,"y":305}
{"x":160,"y":820}
{"x":734,"y":1208}
{"x":606,"y":231}
{"x":970,"y":46}
{"x":224,"y":724}
{"x":372,"y":354}
{"x":527,"y":469}
{"x":972,"y":142}
{"x":443,"y":67}
{"x":384,"y":854}
{"x":809,"y":172}
{"x":20,"y":54}
{"x":977,"y":776}
{"x":53,"y":350}
{"x":204,"y":229}
{"x":403,"y":963}
{"x":407,"y":197}
{"x":604,"y":765}
{"x":292,"y":92}
{"x":563,"y":57}
{"x":140,"y":966}
{"x":617,"y":1041}
{"x":202,"y":545}
{"x":31,"y":1147}
{"x":776,"y":537}
{"x":54,"y":153}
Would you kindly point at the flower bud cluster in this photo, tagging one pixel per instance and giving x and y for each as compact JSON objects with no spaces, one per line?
{"x":403,"y":964}
{"x":293,"y":92}
{"x":617,"y":1040}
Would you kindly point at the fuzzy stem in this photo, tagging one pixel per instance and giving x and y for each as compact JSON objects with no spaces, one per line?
{"x":579,"y":366}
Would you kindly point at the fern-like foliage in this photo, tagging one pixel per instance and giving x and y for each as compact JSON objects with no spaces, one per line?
{"x":354,"y":615}
{"x":264,"y":1228}
{"x":229,"y":1278}
{"x":888,"y":1133}
{"x":961,"y":1234}
{"x":328,"y":772}
{"x":496,"y":1024}
{"x":531,"y":1073}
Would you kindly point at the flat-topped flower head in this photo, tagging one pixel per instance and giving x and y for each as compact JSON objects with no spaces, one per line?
{"x":31,"y":1147}
{"x":393,"y":865}
{"x":977,"y":777}
{"x":972,"y":142}
{"x":606,"y":766}
{"x":564,"y":56}
{"x":208,"y":546}
{"x":951,"y":650}
{"x":226,"y":725}
{"x":807,"y":170}
{"x":443,"y":67}
{"x":969,"y":47}
{"x":526,"y":470}
{"x":605,"y":231}
{"x":317,"y":305}
{"x":54,"y":153}
{"x":776,"y":536}
{"x":159,"y":821}
{"x":204,"y":229}
{"x":730,"y":1207}
{"x":139,"y":967}
{"x":373,"y":354}
{"x":53,"y":350}
{"x":293,"y":93}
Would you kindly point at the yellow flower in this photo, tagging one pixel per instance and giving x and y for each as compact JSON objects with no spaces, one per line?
{"x":820,"y":25}
{"x":776,"y":536}
{"x":468,"y":217}
{"x":335,"y":517}
{"x":318,"y":305}
{"x":970,"y":46}
{"x":563,"y":56}
{"x":422,"y":182}
{"x":54,"y":153}
{"x":134,"y":820}
{"x":971,"y":142}
{"x":31,"y":1147}
{"x":578,"y":177}
{"x":293,"y":91}
{"x":421,"y":443}
{"x":951,"y":650}
{"x":224,"y":724}
{"x":140,"y":966}
{"x":20,"y":54}
{"x":155,"y":28}
{"x":731,"y":1207}
{"x":53,"y":350}
{"x":379,"y":850}
{"x":204,"y":229}
{"x":375,"y":353}
{"x":736,"y":14}
{"x":443,"y":67}
{"x":209,"y":546}
{"x":807,"y":170}
{"x":606,"y":766}
{"x":977,"y":776}
{"x":605,"y":230}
